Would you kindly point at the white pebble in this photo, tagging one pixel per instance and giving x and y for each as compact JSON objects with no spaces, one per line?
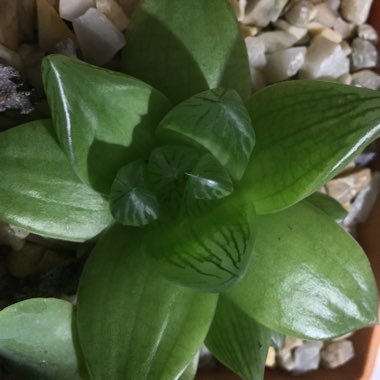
{"x":325,"y":15}
{"x":337,"y":354}
{"x":114,"y":12}
{"x":324,"y":58}
{"x":98,"y":38}
{"x":284,"y":64}
{"x":262,"y":12}
{"x":257,"y":80}
{"x":256,"y":52}
{"x":277,"y":40}
{"x":307,"y":357}
{"x":367,"y":79}
{"x":367,"y":32}
{"x":356,"y":11}
{"x":300,"y":13}
{"x":364,"y":54}
{"x":296,"y":31}
{"x":344,"y":28}
{"x":71,"y":9}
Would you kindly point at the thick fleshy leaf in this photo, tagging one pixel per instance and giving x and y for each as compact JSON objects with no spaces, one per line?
{"x":306,"y":131}
{"x":218,"y":121}
{"x":209,"y":180}
{"x":37,"y":340}
{"x":144,"y":326}
{"x":307,"y":277}
{"x":103,"y":119}
{"x":162,"y":50}
{"x":208,"y":251}
{"x":328,"y":205}
{"x":131,"y":202}
{"x":167,"y":170}
{"x":238,"y":341}
{"x":191,"y":369}
{"x":40,"y":192}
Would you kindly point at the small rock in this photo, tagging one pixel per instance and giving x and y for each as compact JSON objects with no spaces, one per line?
{"x":356,"y":11}
{"x":114,"y":12}
{"x":345,"y":78}
{"x":364,"y":54}
{"x":334,"y":5}
{"x":13,"y":94}
{"x":315,"y":28}
{"x":262,"y":12}
{"x":9,"y":30}
{"x":344,"y":28}
{"x":248,"y":31}
{"x":257,"y":80}
{"x":10,"y":57}
{"x":325,"y":15}
{"x":285,"y":357}
{"x":296,"y":31}
{"x":337,"y":353}
{"x":271,"y":358}
{"x":51,"y":28}
{"x":324,"y":58}
{"x":98,"y":38}
{"x":239,"y":8}
{"x":72,"y":9}
{"x":367,"y":32}
{"x":277,"y":40}
{"x":283,"y":64}
{"x":346,"y":47}
{"x":300,"y":13}
{"x":307,"y":357}
{"x":256,"y":52}
{"x":331,"y":35}
{"x":346,"y":187}
{"x":367,"y":79}
{"x":66,"y":47}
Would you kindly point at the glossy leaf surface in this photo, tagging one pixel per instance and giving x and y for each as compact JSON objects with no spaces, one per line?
{"x":328,"y":205}
{"x":131,"y":201}
{"x":180,"y":62}
{"x":208,"y":251}
{"x":306,"y":131}
{"x":218,"y":121}
{"x":307,"y":277}
{"x":191,"y":369}
{"x":167,"y":170}
{"x":103,"y":119}
{"x":36,"y":339}
{"x":144,"y":326}
{"x":40,"y":192}
{"x":209,"y":180}
{"x":238,"y":341}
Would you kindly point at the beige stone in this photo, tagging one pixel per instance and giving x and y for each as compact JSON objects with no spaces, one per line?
{"x":114,"y":12}
{"x":51,"y":28}
{"x":248,"y":31}
{"x":336,"y":354}
{"x":271,"y":358}
{"x":72,"y":9}
{"x":356,"y":11}
{"x":262,"y":12}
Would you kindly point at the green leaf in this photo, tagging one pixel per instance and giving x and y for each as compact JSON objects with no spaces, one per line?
{"x":176,"y":47}
{"x":37,"y":341}
{"x":39,"y":191}
{"x":307,"y":277}
{"x":238,"y":341}
{"x":131,"y":202}
{"x":208,"y":251}
{"x":103,"y":119}
{"x":191,"y":369}
{"x":328,"y":205}
{"x":144,"y":326}
{"x":306,"y":131}
{"x":209,"y":180}
{"x":218,"y":121}
{"x":167,"y":170}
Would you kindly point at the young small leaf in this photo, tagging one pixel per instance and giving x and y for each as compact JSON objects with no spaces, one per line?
{"x":37,"y":341}
{"x":321,"y":285}
{"x":208,"y":251}
{"x":167,"y":169}
{"x":181,"y":63}
{"x":145,"y":327}
{"x":218,"y":121}
{"x":307,"y":131}
{"x":328,"y":205}
{"x":238,"y":341}
{"x":103,"y":119}
{"x":131,"y":202}
{"x":40,"y":192}
{"x":209,"y":180}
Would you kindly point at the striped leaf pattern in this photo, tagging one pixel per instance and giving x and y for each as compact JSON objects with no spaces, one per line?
{"x":216,"y":120}
{"x":131,"y":202}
